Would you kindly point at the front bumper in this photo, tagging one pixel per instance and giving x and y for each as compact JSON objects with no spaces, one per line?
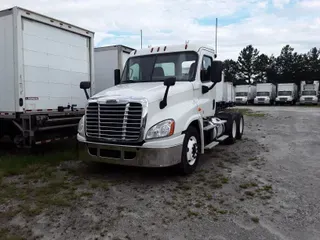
{"x":241,"y":101}
{"x":284,"y":100}
{"x":307,"y":101}
{"x":154,"y":154}
{"x":262,"y":101}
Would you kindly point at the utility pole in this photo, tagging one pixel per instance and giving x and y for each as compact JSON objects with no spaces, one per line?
{"x":216,"y":38}
{"x":141,"y":38}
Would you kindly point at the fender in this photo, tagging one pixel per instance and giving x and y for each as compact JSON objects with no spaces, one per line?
{"x":198,"y":118}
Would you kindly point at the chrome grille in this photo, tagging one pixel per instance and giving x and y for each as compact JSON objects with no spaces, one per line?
{"x":261,"y":99}
{"x":308,"y":99}
{"x":114,"y":121}
{"x":283,"y":99}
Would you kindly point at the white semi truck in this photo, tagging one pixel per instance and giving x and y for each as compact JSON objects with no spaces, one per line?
{"x":159,"y":114}
{"x":287,"y":93}
{"x":106,"y":59}
{"x":309,"y":92}
{"x":266,"y":93}
{"x":42,"y":62}
{"x":245,"y":94}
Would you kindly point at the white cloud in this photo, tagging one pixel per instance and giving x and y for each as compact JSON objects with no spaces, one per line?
{"x":280,"y":3}
{"x":167,"y":22}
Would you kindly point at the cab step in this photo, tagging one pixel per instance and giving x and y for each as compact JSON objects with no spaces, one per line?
{"x":222,"y":138}
{"x":211,"y":145}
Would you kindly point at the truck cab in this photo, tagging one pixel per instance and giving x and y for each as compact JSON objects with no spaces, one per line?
{"x":287,"y":93}
{"x":161,"y":111}
{"x":309,"y":92}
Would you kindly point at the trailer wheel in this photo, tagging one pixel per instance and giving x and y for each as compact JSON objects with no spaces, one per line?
{"x":190,"y":151}
{"x":240,"y":126}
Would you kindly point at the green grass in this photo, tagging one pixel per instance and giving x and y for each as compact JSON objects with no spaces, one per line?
{"x":33,"y":164}
{"x":40,"y":184}
{"x":248,"y":112}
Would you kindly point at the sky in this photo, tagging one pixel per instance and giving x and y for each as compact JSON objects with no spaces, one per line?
{"x":266,"y":24}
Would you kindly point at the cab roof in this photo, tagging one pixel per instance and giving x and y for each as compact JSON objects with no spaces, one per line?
{"x":171,"y":48}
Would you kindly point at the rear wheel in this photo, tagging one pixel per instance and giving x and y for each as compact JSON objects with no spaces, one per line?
{"x":240,"y":126}
{"x":190,"y":151}
{"x":231,"y":126}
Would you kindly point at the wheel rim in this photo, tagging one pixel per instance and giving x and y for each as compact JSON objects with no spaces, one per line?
{"x":234,"y":129}
{"x":192,"y":150}
{"x":241,"y":125}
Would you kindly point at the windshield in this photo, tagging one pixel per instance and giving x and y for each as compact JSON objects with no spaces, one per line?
{"x":284,"y":93}
{"x":158,"y":67}
{"x":262,"y":93}
{"x":241,"y":94}
{"x":312,"y":93}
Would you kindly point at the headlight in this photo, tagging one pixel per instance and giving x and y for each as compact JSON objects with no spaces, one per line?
{"x":81,"y":126}
{"x":161,"y":129}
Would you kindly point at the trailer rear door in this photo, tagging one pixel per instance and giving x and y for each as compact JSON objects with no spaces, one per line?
{"x":55,"y":61}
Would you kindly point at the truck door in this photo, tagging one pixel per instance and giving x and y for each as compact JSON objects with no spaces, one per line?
{"x":205,"y":100}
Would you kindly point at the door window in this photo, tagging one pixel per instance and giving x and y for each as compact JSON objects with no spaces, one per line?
{"x":206,"y":65}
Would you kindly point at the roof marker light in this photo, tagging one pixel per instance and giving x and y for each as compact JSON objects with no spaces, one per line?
{"x":135,"y":51}
{"x":165,"y":48}
{"x":158,"y":49}
{"x":151,"y":50}
{"x":186,"y":46}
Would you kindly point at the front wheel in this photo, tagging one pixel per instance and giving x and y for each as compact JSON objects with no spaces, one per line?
{"x":190,"y":151}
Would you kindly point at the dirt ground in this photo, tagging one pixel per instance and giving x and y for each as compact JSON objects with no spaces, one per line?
{"x":265,"y":186}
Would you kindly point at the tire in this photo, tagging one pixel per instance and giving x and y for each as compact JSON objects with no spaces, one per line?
{"x":240,"y":126}
{"x":190,"y":151}
{"x":231,"y":126}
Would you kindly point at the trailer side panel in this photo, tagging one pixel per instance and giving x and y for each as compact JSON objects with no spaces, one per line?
{"x":55,"y":61}
{"x":7,"y":76}
{"x":105,"y":63}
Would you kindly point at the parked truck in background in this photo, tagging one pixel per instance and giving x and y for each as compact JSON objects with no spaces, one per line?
{"x":287,"y":93}
{"x":106,"y":59}
{"x":245,"y":94}
{"x":309,"y":92}
{"x":266,"y":93}
{"x":159,"y":113}
{"x":42,"y":62}
{"x":230,"y":94}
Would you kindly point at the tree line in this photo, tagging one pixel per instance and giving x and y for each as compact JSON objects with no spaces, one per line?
{"x":289,"y":67}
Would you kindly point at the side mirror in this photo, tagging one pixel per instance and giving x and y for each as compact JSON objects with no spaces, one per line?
{"x":85,"y":86}
{"x":169,"y":82}
{"x":116,"y":76}
{"x":216,"y":71}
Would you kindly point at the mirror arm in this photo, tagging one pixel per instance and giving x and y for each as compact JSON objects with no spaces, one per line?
{"x":86,"y":93}
{"x":163,"y":102}
{"x":206,"y":89}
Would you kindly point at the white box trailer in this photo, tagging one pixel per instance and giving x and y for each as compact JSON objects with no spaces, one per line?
{"x":245,"y":94}
{"x":266,"y":93}
{"x":42,"y":62}
{"x":106,"y":59}
{"x":287,"y":93}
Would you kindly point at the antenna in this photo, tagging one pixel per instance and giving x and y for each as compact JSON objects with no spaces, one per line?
{"x":141,"y":38}
{"x":216,"y":39}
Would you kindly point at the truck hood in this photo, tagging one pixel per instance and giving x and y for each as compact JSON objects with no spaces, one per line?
{"x":152,"y":91}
